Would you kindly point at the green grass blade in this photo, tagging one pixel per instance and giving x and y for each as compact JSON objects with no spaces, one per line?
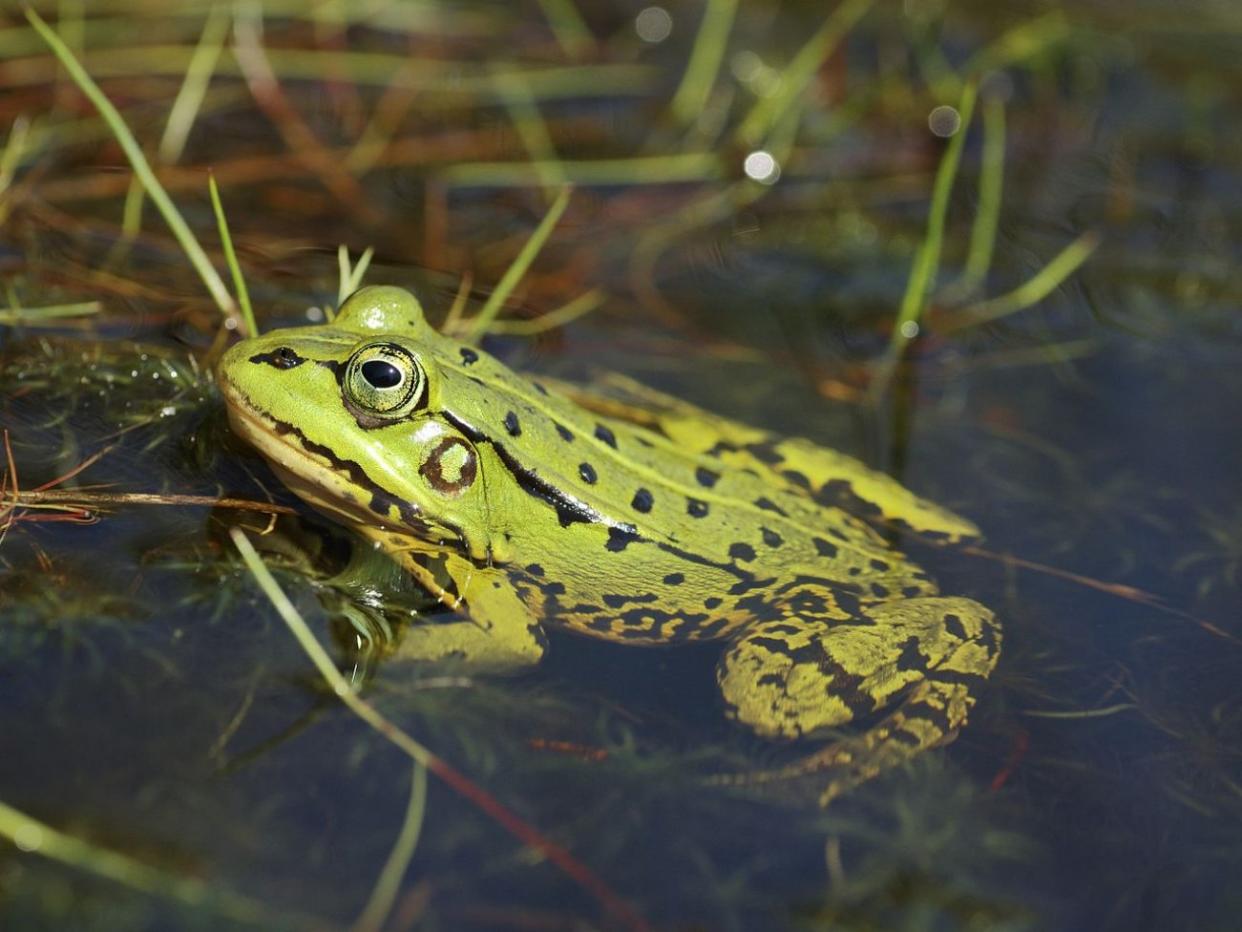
{"x":194,"y":88}
{"x":767,"y":112}
{"x":142,"y":168}
{"x":40,"y":315}
{"x":319,"y":657}
{"x":991,"y":185}
{"x":705,"y":58}
{"x":360,"y":270}
{"x":1042,"y":284}
{"x":131,"y":216}
{"x":344,"y":272}
{"x":529,"y":123}
{"x":31,"y":836}
{"x":677,"y":168}
{"x":567,"y":24}
{"x":1020,"y":43}
{"x":388,"y":884}
{"x":14,"y":149}
{"x":226,"y":240}
{"x":458,"y":78}
{"x":924,"y":270}
{"x":185,"y":108}
{"x":517,"y":269}
{"x":350,"y":276}
{"x":558,"y":317}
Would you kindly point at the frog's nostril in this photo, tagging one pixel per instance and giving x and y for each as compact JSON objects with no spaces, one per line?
{"x":284,"y":357}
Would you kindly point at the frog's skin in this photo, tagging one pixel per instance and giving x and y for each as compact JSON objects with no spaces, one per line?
{"x":524,"y":506}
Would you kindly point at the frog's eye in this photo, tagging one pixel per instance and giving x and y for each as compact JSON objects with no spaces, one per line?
{"x":384,"y":381}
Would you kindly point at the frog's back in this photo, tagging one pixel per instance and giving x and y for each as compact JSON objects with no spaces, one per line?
{"x":731,"y":539}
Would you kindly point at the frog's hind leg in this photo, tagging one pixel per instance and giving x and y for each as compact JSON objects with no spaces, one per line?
{"x":836,"y":478}
{"x":795,"y":677}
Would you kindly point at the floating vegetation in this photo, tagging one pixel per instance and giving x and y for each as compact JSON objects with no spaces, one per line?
{"x":132,"y":385}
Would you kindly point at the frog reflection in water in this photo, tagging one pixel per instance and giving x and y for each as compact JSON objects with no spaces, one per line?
{"x":523,"y":507}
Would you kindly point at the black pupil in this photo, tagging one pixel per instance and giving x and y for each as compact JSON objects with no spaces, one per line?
{"x":380,"y":374}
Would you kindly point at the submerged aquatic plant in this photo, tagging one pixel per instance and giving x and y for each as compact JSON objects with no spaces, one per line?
{"x":1215,"y":561}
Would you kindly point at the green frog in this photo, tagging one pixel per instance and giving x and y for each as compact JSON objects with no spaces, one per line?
{"x":523,"y":504}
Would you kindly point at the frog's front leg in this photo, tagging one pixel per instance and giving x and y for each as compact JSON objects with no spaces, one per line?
{"x":797,"y":676}
{"x":499,"y":630}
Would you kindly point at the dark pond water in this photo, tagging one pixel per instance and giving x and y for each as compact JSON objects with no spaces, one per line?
{"x":154,"y":707}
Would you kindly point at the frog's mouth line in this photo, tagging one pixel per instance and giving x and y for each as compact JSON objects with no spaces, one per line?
{"x":315,"y":469}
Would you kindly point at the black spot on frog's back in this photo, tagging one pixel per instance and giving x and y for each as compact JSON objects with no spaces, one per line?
{"x":706,"y":477}
{"x":605,"y":435}
{"x":618,"y":600}
{"x":742,"y":551}
{"x":642,"y":501}
{"x":825,"y":548}
{"x":765,"y":453}
{"x":841,"y":493}
{"x":768,"y":505}
{"x":797,"y":478}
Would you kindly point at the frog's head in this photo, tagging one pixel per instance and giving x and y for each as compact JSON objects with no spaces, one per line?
{"x":348,"y":415}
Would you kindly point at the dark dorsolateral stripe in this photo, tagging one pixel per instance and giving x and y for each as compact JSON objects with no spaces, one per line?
{"x":620,"y":537}
{"x":382,"y":501}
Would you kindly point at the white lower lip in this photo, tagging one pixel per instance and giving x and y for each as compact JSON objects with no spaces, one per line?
{"x":260,"y":432}
{"x":316,"y":481}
